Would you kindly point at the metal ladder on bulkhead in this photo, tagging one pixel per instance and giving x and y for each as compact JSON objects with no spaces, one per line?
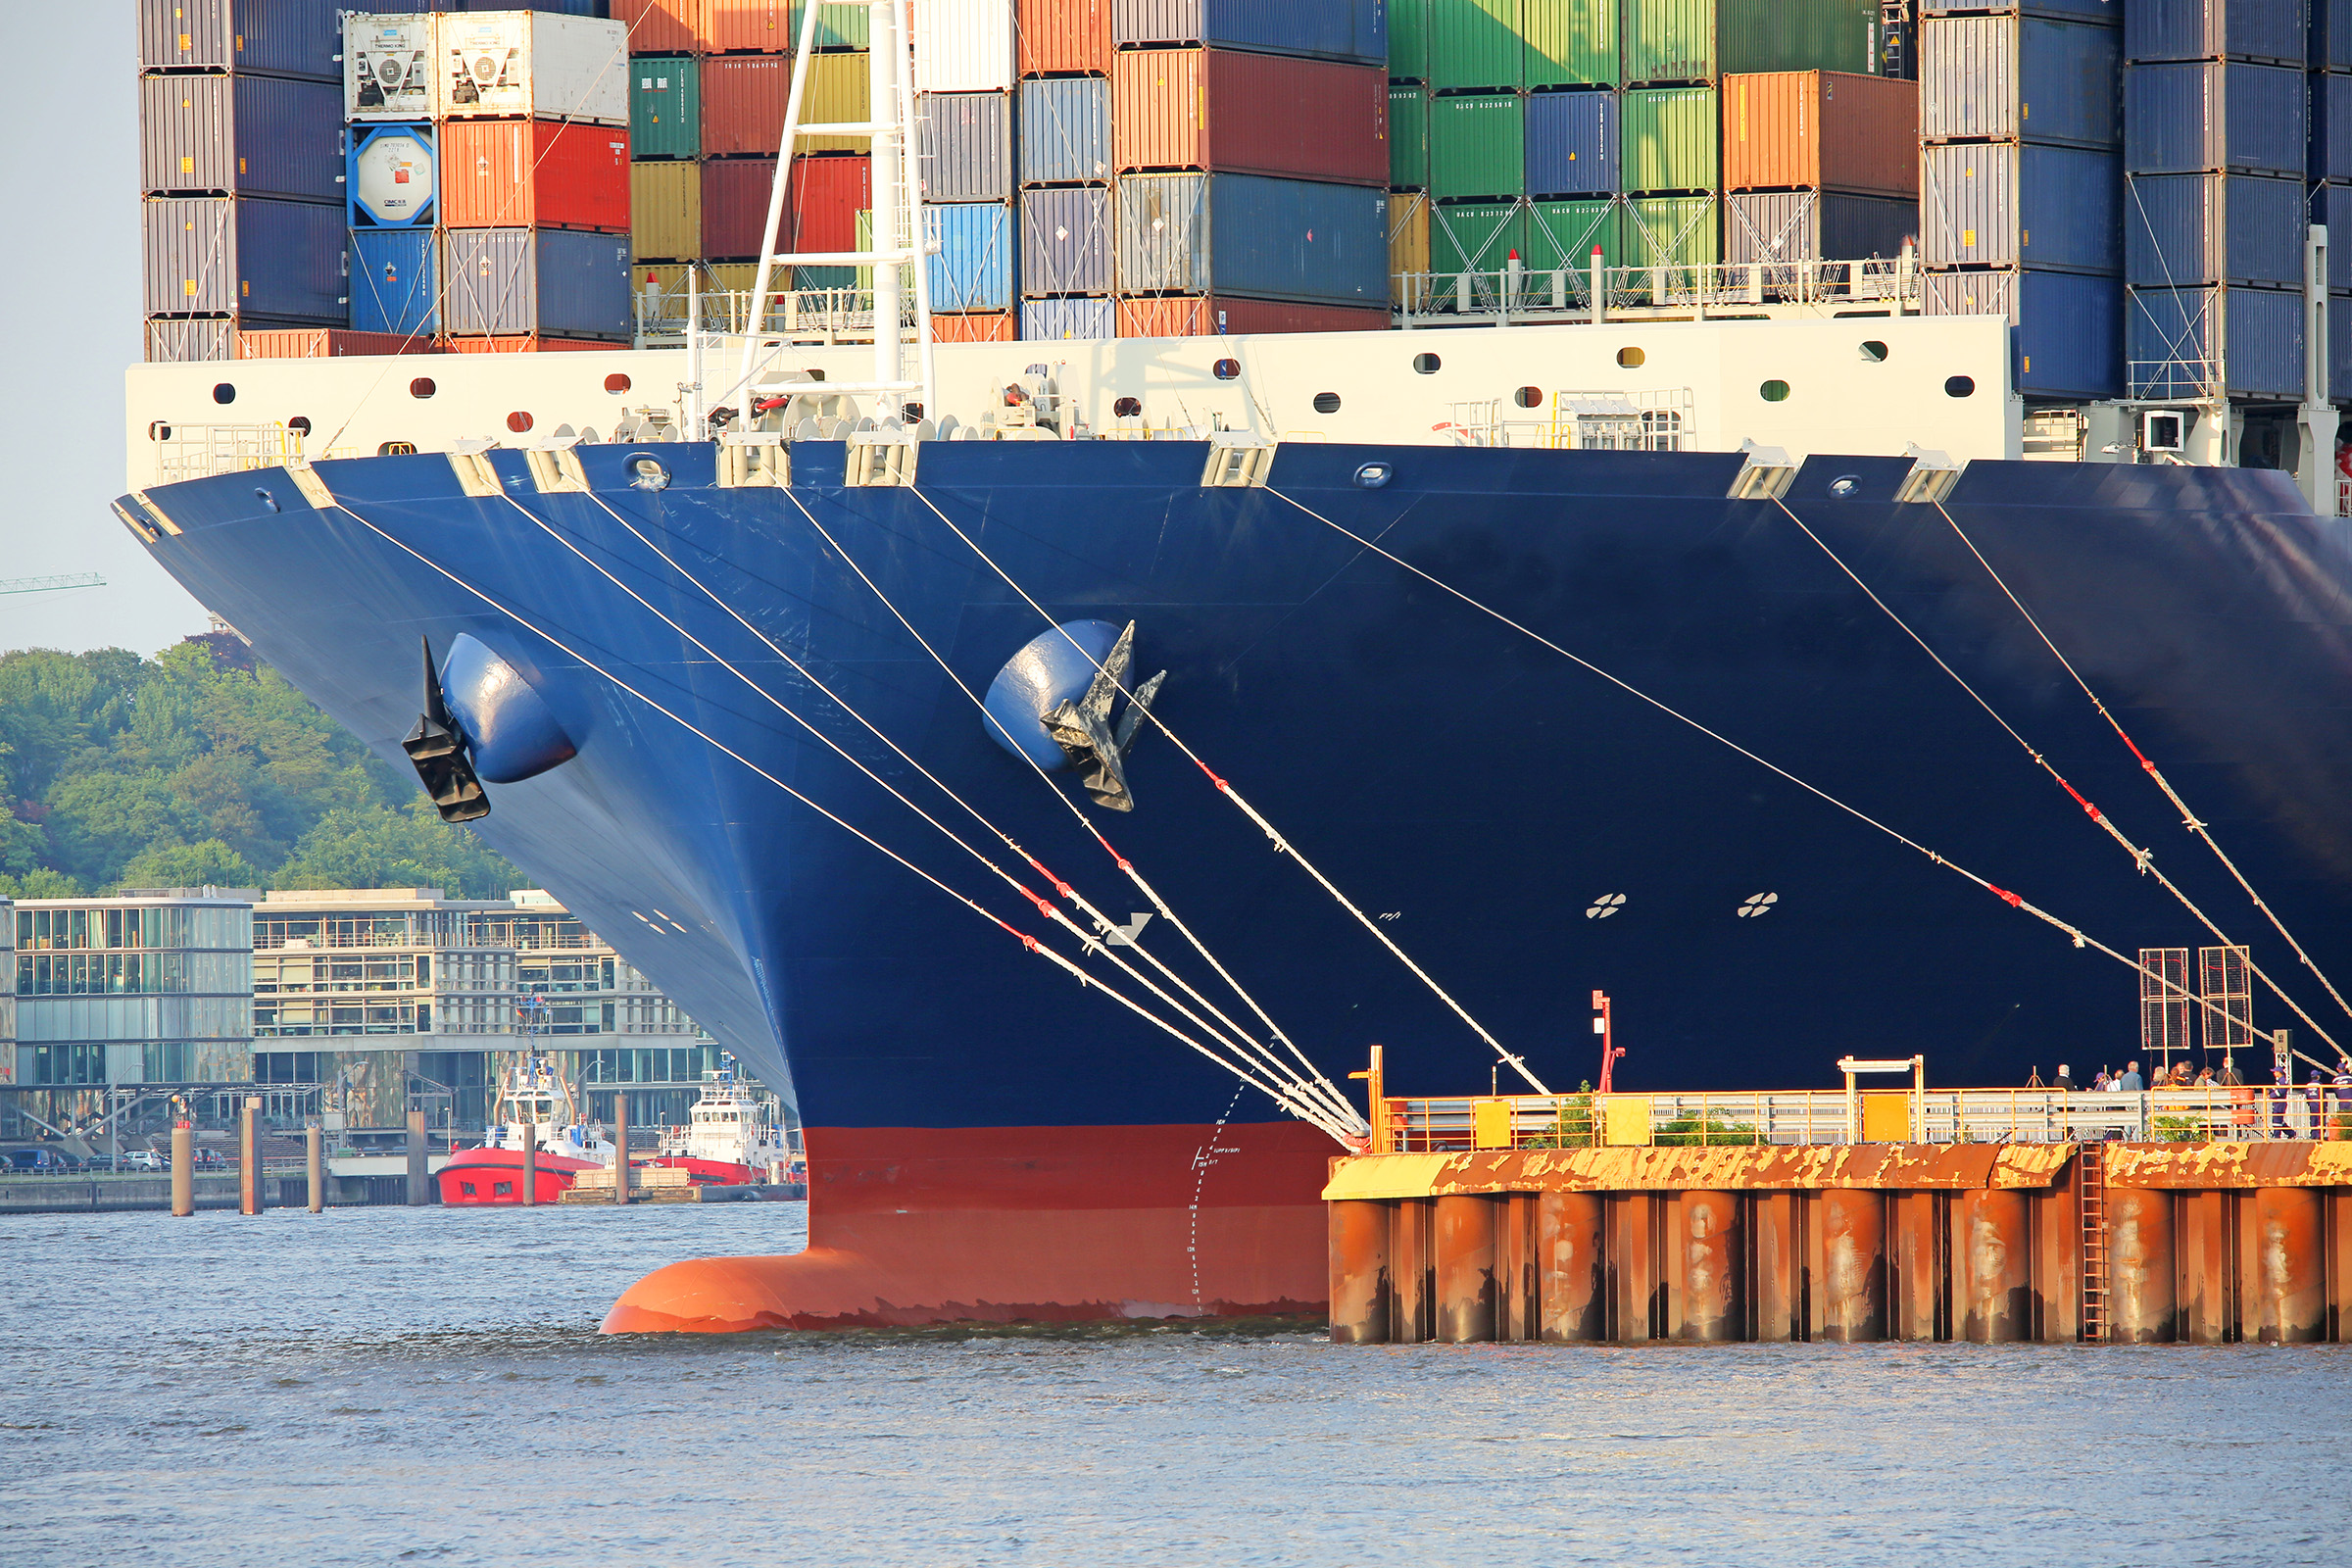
{"x":2090,"y":1176}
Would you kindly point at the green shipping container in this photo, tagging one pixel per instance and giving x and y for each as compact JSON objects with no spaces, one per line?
{"x":1474,"y":43}
{"x":1477,"y":145}
{"x":1563,"y":234}
{"x":1476,"y":236}
{"x":1409,"y":40}
{"x":837,"y":28}
{"x":665,"y":106}
{"x":1570,"y":43}
{"x":1669,"y":139}
{"x":1670,"y":231}
{"x":1701,"y":40}
{"x":1409,"y":136}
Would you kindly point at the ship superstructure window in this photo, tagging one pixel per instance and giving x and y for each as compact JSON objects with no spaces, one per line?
{"x":423,"y":387}
{"x":1226,"y":369}
{"x":1327,"y":403}
{"x":1426,"y":363}
{"x":1959,"y":386}
{"x":1774,"y":391}
{"x":225,"y":393}
{"x":1630,"y":358}
{"x":1873,"y":351}
{"x":1528,"y":397}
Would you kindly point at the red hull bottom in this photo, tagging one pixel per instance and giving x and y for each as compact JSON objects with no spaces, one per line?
{"x":911,"y":1226}
{"x":474,"y":1178}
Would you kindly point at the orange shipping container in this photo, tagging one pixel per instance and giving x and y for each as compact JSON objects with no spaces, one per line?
{"x":534,"y":173}
{"x":1820,"y":131}
{"x":991,"y":326}
{"x":764,"y":24}
{"x":1229,"y":111}
{"x":525,"y":345}
{"x":661,"y":26}
{"x":1204,"y":315}
{"x":1064,"y":35}
{"x":325,"y":343}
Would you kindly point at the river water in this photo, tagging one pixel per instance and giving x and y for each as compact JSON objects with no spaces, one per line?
{"x":417,"y":1386}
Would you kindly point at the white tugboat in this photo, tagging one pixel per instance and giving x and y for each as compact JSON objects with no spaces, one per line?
{"x":731,"y":1136}
{"x":532,"y":1096}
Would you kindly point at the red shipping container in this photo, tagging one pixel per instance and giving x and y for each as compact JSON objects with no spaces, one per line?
{"x":1225,"y":111}
{"x":534,"y":173}
{"x":989,"y":326}
{"x":762,"y":24}
{"x":820,"y":214}
{"x":661,"y":26}
{"x":325,"y":343}
{"x":1065,"y":36}
{"x":525,"y":345}
{"x":1820,"y":131}
{"x":1197,"y":316}
{"x":743,"y":104}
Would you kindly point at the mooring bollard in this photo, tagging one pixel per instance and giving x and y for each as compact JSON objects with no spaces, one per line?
{"x":249,"y":1156}
{"x":183,"y":1169}
{"x":316,"y":1159}
{"x":621,"y":1147}
{"x":530,"y":1163}
{"x":419,"y":1191}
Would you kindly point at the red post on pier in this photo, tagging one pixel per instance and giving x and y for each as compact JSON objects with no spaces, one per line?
{"x":249,"y":1156}
{"x":183,"y":1167}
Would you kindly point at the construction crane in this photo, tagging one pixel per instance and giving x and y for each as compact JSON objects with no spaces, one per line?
{"x":44,"y":586}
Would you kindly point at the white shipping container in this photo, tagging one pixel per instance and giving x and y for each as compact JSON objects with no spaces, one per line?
{"x":534,"y":63}
{"x":963,"y":46}
{"x":388,"y":67}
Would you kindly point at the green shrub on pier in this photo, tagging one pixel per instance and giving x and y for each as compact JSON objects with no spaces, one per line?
{"x":1691,"y":1130}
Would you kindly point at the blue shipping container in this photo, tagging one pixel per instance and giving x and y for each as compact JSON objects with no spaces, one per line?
{"x":2019,"y":77}
{"x":1248,"y":234}
{"x":2331,"y":37}
{"x":2247,"y":341}
{"x":2185,"y":230}
{"x":392,"y":177}
{"x":1045,"y":319}
{"x":2067,"y":337}
{"x":2215,"y":29}
{"x":2339,"y":346}
{"x":229,"y":255}
{"x":562,"y":282}
{"x":1065,"y":130}
{"x":1336,"y":30}
{"x":2009,"y":204}
{"x":2330,"y":150}
{"x":1572,"y":143}
{"x":396,"y":281}
{"x":2207,"y":118}
{"x":242,"y":134}
{"x":973,"y":270}
{"x":2333,"y":204}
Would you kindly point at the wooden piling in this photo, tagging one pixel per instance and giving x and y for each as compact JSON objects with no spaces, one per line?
{"x":249,"y":1156}
{"x":620,"y":1147}
{"x":420,"y":1191}
{"x":183,"y":1169}
{"x":530,"y":1163}
{"x":315,"y":1164}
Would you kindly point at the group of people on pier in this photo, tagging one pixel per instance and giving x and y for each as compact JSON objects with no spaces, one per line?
{"x":2327,"y":1097}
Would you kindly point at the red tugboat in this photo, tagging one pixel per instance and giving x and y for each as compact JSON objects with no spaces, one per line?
{"x":531,"y":1095}
{"x":732,"y":1137}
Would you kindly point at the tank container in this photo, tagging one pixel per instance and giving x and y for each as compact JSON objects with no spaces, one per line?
{"x":1477,"y":145}
{"x":526,"y":63}
{"x":1476,"y":236}
{"x":1820,"y":131}
{"x":1066,"y":240}
{"x":2006,"y":204}
{"x":665,"y":106}
{"x":1670,"y":231}
{"x":965,"y":146}
{"x":661,"y":26}
{"x":1064,"y":129}
{"x":1336,"y":30}
{"x":1572,"y":142}
{"x":534,"y":173}
{"x":2198,"y":118}
{"x":396,"y":281}
{"x":837,"y":28}
{"x":2330,"y":148}
{"x":1046,"y":320}
{"x":1775,"y":226}
{"x":1699,"y":41}
{"x":2024,"y":77}
{"x":2067,"y":337}
{"x":240,"y":134}
{"x":388,"y":67}
{"x":1475,"y":45}
{"x":1409,"y":136}
{"x":665,"y":210}
{"x":2246,"y":341}
{"x":730,"y":26}
{"x":1064,"y":35}
{"x":1562,"y":234}
{"x":558,"y":282}
{"x":392,"y":176}
{"x":2186,"y":229}
{"x":233,"y":255}
{"x":1668,"y":140}
{"x":2271,"y":30}
{"x":974,"y":264}
{"x":1408,"y":235}
{"x":963,"y":46}
{"x":1248,"y":234}
{"x":270,"y":37}
{"x":1226,"y":110}
{"x":1569,"y":43}
{"x":1225,"y":315}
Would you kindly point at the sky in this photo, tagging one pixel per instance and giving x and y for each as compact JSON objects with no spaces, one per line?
{"x":69,"y":272}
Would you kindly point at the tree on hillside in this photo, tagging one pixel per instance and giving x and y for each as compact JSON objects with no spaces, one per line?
{"x":375,"y":847}
{"x":208,"y":863}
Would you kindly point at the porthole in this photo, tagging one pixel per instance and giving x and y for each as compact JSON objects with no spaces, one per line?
{"x":397,"y":449}
{"x":1126,"y":408}
{"x":300,"y":424}
{"x":423,"y":387}
{"x":1226,"y":369}
{"x":225,"y":393}
{"x":1873,"y":351}
{"x":1774,"y":391}
{"x":158,"y":430}
{"x":1959,"y":386}
{"x":1528,"y":397}
{"x":1426,"y":363}
{"x":1631,"y":358}
{"x":1327,"y":403}
{"x":519,"y":422}
{"x":618,"y":381}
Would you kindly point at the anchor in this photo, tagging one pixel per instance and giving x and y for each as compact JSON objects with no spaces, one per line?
{"x":1082,"y":728}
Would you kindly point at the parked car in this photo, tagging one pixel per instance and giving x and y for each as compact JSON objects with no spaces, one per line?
{"x":44,"y":1161}
{"x":141,"y":1159}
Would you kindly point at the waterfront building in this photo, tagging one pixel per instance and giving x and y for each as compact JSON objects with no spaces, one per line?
{"x":8,"y":994}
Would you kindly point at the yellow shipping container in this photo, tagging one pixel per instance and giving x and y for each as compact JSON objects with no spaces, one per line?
{"x":836,"y":96}
{"x":1409,"y":238}
{"x":665,"y":210}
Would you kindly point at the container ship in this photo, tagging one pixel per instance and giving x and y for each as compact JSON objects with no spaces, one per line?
{"x":1053,"y":740}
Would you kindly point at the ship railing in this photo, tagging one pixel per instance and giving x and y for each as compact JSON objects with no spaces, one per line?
{"x":804,"y":315}
{"x":201,"y":451}
{"x":1734,"y":288}
{"x":2175,"y":381}
{"x":1808,"y":1117}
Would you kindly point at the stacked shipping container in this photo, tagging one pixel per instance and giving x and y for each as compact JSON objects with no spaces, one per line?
{"x":1817,"y":164}
{"x":241,"y":165}
{"x":964,"y":70}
